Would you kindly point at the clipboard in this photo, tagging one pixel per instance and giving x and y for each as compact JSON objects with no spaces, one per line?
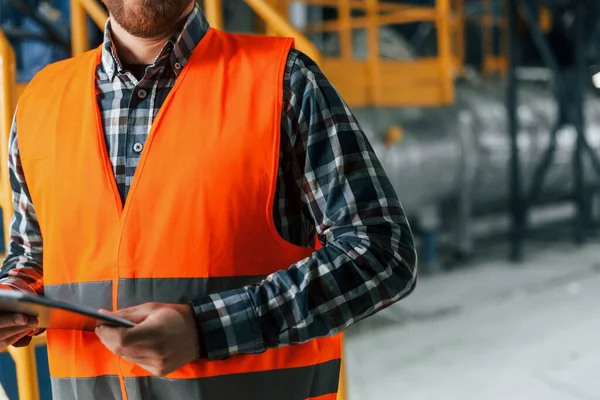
{"x":57,"y":314}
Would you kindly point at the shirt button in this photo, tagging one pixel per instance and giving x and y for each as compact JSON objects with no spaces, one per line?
{"x":138,"y":147}
{"x":142,"y":94}
{"x":177,"y":66}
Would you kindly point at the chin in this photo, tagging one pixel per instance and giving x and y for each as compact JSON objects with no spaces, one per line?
{"x":148,"y":18}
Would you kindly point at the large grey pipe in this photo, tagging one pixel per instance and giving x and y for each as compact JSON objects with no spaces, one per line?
{"x":440,"y":146}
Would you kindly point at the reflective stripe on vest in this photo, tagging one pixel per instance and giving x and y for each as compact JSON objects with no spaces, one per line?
{"x":306,"y":382}
{"x":203,"y":226}
{"x":133,"y":291}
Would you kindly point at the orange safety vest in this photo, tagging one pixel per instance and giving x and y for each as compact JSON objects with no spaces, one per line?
{"x":198,"y":219}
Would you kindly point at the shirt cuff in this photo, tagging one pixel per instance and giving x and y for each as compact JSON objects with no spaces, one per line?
{"x":228,"y":324}
{"x":9,"y":283}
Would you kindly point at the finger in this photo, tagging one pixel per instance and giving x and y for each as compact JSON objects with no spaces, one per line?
{"x":144,"y":333}
{"x":142,"y":358}
{"x":126,"y":340}
{"x":10,"y":319}
{"x":119,"y":342}
{"x":134,"y":314}
{"x":148,"y":367}
{"x":9,"y":341}
{"x":139,"y":352}
{"x":15,"y":330}
{"x":110,"y":337}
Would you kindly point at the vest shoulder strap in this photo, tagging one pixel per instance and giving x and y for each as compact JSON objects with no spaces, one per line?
{"x":55,"y":75}
{"x":40,"y":101}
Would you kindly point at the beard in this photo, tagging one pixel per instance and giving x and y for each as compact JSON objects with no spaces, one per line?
{"x":147,"y":18}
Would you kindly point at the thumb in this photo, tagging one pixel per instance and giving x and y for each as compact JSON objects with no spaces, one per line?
{"x":134,"y":314}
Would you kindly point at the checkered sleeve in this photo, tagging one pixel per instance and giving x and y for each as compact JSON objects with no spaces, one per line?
{"x":22,"y":267}
{"x":368,"y":258}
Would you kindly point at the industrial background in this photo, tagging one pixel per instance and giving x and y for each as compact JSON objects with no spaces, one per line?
{"x":486,"y":116}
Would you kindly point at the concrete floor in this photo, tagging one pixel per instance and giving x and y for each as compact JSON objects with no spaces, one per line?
{"x":491,"y":331}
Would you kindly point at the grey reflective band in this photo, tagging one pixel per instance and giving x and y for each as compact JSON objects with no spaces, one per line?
{"x":284,"y":384}
{"x":96,"y":295}
{"x":100,"y":387}
{"x":177,"y":290}
{"x":140,"y":290}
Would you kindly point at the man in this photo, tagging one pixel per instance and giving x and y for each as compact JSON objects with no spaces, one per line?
{"x":183,"y":176}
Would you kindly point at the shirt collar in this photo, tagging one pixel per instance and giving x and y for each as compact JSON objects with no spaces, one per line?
{"x":177,"y":49}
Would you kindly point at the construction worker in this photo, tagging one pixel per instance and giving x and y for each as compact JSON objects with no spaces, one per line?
{"x":181,"y":177}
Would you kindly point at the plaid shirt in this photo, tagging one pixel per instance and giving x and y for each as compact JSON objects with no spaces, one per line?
{"x":330,"y":187}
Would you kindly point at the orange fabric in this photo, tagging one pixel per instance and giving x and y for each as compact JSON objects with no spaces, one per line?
{"x":332,"y":396}
{"x":212,"y":217}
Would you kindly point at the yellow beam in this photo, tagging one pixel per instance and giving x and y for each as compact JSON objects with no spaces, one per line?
{"x":95,"y":12}
{"x":282,"y":27}
{"x":373,"y":24}
{"x":396,"y":18}
{"x":357,"y":4}
{"x":345,"y":28}
{"x":457,"y":26}
{"x":214,"y":13}
{"x":444,"y":50}
{"x":79,"y":39}
{"x":281,"y":7}
{"x":25,"y":365}
{"x":80,"y":10}
{"x":7,"y":108}
{"x":343,"y":384}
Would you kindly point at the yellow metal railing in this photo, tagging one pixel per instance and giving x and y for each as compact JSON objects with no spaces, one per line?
{"x":7,"y":107}
{"x":24,"y":358}
{"x":492,"y":60}
{"x":386,"y":82}
{"x":457,"y":35}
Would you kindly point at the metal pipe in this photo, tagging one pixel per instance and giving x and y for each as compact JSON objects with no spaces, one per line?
{"x":469,"y":166}
{"x":516,"y":201}
{"x":538,"y":38}
{"x":577,"y":107}
{"x":540,"y":172}
{"x":498,"y":224}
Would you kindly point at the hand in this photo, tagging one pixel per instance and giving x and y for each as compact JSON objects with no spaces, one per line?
{"x":15,"y":330}
{"x":164,"y":339}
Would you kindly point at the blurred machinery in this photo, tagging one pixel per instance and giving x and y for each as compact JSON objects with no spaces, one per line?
{"x":458,"y":160}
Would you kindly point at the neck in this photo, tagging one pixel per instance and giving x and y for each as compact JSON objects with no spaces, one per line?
{"x":136,"y":50}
